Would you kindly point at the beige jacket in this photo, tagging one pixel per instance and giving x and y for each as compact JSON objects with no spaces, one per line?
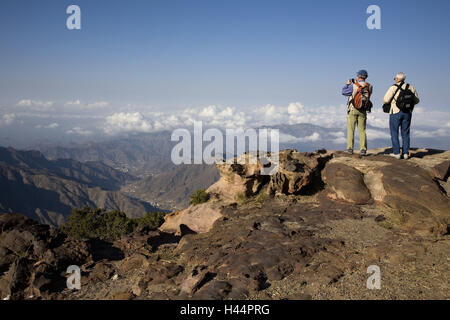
{"x":390,"y":93}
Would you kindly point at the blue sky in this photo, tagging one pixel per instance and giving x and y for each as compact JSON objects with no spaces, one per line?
{"x":172,"y":55}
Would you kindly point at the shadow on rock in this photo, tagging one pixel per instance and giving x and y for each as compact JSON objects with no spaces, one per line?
{"x":101,"y":249}
{"x":162,"y":238}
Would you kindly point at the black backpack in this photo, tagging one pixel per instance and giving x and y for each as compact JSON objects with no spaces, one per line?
{"x":406,"y":99}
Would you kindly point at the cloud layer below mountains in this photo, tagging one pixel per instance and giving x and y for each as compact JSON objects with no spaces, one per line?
{"x":88,"y":120}
{"x":436,"y":122}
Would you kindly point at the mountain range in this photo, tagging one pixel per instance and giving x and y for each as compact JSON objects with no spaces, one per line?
{"x":48,"y":190}
{"x":320,"y":228}
{"x":133,"y":172}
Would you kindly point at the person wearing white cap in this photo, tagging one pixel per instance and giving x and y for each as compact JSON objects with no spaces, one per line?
{"x":400,"y":100}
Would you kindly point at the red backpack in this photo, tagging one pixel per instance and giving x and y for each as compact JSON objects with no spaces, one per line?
{"x":361,"y":100}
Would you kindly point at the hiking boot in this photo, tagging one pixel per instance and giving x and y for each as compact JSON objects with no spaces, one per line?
{"x":350,"y":151}
{"x":406,"y":156}
{"x":396,"y":156}
{"x":363,"y":152}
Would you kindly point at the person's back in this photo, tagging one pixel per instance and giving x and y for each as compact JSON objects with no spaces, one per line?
{"x":395,"y":91}
{"x":358,"y":93}
{"x":399,"y":115}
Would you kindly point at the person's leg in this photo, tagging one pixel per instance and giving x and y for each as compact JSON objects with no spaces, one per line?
{"x":362,"y":119}
{"x":406,"y":126}
{"x":351,"y":122}
{"x":394,"y":126}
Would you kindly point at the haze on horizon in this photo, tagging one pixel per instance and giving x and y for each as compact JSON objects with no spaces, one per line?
{"x":145,"y":66}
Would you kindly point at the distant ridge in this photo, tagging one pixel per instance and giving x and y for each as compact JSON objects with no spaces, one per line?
{"x":47,"y":191}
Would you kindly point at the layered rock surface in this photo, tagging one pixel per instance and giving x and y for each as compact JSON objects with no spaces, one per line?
{"x":310,"y":231}
{"x":408,"y":192}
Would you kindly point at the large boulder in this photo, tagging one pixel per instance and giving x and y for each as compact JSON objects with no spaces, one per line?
{"x":442,"y":170}
{"x":296,"y":172}
{"x":198,"y":218}
{"x":418,"y":203}
{"x":238,"y":176}
{"x":406,"y":192}
{"x":436,"y":162}
{"x":345,"y":183}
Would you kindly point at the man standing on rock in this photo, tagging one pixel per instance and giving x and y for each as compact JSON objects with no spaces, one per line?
{"x":359,"y":92}
{"x":399,"y":102}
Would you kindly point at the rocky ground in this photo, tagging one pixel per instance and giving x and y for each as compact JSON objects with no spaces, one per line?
{"x":308,"y":232}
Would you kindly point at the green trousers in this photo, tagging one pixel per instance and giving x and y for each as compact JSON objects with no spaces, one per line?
{"x":356,"y":117}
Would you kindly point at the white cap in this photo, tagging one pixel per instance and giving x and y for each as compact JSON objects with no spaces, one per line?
{"x":400,"y":76}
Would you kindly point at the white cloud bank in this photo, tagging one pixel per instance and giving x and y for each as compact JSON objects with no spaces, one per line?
{"x":88,"y":117}
{"x":78,"y":104}
{"x":286,"y":138}
{"x":79,"y":131}
{"x":220,"y":117}
{"x":268,"y":115}
{"x":124,"y":122}
{"x":53,"y":125}
{"x":35,"y":105}
{"x":7,"y":119}
{"x":45,"y":106}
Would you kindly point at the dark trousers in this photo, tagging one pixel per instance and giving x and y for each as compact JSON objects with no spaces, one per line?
{"x":402,"y":121}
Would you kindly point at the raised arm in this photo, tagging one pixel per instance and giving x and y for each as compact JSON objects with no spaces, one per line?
{"x":347,"y":90}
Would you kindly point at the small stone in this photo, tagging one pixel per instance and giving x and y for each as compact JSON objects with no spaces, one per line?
{"x":193,"y":281}
{"x":136,"y":289}
{"x":122,"y":296}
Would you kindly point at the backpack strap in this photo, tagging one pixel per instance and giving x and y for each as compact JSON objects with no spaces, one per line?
{"x":360,"y":88}
{"x":351,"y":100}
{"x":399,"y":87}
{"x":368,"y":87}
